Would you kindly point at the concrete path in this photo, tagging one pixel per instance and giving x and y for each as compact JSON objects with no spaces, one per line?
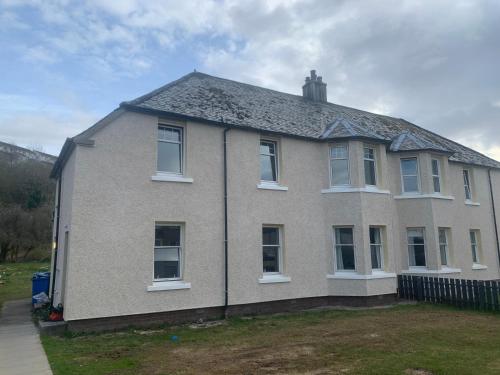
{"x":21,"y":352}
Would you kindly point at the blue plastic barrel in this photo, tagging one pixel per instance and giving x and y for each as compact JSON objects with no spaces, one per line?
{"x":40,"y":283}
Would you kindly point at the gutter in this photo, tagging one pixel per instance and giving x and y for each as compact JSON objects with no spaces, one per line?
{"x":56,"y":240}
{"x":494,"y":214}
{"x":226,"y":276}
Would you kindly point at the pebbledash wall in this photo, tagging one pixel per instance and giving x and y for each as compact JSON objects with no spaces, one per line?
{"x":109,"y":206}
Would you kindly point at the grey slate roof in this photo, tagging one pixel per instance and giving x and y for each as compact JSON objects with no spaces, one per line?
{"x":208,"y":98}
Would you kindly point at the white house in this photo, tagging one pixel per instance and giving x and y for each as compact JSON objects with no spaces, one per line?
{"x":209,"y":196}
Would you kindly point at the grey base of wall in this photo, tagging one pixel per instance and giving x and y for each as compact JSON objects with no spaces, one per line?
{"x":212,"y":313}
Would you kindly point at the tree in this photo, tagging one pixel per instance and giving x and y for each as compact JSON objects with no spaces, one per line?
{"x":26,"y":203}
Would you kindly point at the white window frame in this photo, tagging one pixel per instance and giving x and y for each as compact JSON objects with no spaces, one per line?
{"x":280,"y":250}
{"x":182,"y":141}
{"x":410,"y":175}
{"x":374,"y":160}
{"x":330,"y":158}
{"x":408,"y":247}
{"x":276,"y":159}
{"x":381,"y":246}
{"x":180,"y":249}
{"x":436,"y":176}
{"x":467,"y":184}
{"x":446,"y":246}
{"x":475,"y":246}
{"x":335,"y":260}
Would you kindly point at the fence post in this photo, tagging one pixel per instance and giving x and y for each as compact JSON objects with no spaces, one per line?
{"x":420,"y":290}
{"x":453,"y":292}
{"x":480,"y":288}
{"x":495,"y":296}
{"x":470,"y":294}
{"x":487,"y":288}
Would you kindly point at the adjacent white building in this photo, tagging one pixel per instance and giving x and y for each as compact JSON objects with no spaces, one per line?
{"x":209,"y":196}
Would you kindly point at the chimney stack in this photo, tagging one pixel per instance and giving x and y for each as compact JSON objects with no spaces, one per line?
{"x":314,"y":88}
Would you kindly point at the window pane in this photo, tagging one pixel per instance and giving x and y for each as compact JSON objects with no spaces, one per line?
{"x":340,"y":173}
{"x":267,"y":148}
{"x":267,"y":168}
{"x":409,"y":167}
{"x":166,"y":263}
{"x":345,"y":257}
{"x":437,"y":185}
{"x":376,"y":256}
{"x":270,"y":236}
{"x":410,"y":183}
{"x":375,"y":235}
{"x":435,"y":167}
{"x":166,"y":235}
{"x":370,"y":172}
{"x":339,"y":152}
{"x":270,"y":258}
{"x":344,"y":236}
{"x":169,"y":157}
{"x":467,"y":184}
{"x":169,"y":134}
{"x":369,"y":153}
{"x":419,"y":252}
{"x":442,"y":236}
{"x":444,"y":258}
{"x":416,"y":247}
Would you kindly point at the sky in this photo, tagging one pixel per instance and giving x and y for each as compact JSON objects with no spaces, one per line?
{"x":65,"y":64}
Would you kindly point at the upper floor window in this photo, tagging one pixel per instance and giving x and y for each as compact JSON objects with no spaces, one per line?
{"x":443,"y":245}
{"x":344,"y":249}
{"x":268,"y":161}
{"x":409,"y":175}
{"x":474,"y":243}
{"x":370,"y":167}
{"x":339,"y":164}
{"x":467,"y":185}
{"x":416,"y":247}
{"x":170,"y":140}
{"x":167,"y":252}
{"x":376,"y":248}
{"x":436,"y":175}
{"x":271,"y":249}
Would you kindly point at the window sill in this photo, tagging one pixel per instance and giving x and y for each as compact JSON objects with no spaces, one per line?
{"x":271,"y":186}
{"x":171,"y":178}
{"x":168,"y":285}
{"x":477,"y":266}
{"x":348,"y":189}
{"x":424,"y":271}
{"x":357,"y":276}
{"x":471,"y":203}
{"x":424,"y":196}
{"x":271,"y":279}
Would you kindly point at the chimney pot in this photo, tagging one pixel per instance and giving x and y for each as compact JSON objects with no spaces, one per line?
{"x":314,"y":89}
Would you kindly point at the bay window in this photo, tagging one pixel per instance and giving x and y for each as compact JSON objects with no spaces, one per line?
{"x":339,"y":164}
{"x":416,"y":247}
{"x":344,"y":249}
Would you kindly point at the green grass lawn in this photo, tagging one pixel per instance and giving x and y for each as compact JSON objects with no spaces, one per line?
{"x":411,"y":339}
{"x":15,"y":279}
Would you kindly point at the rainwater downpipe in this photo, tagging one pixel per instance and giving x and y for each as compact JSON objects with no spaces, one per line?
{"x":494,"y":213}
{"x":226,"y":276}
{"x":56,"y":239}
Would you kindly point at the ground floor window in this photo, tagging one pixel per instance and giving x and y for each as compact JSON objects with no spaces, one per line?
{"x":167,"y":252}
{"x":416,"y":247}
{"x":376,"y":248}
{"x":344,"y":249}
{"x":443,"y":246}
{"x":271,"y":249}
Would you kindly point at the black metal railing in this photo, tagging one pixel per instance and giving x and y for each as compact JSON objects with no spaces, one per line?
{"x":471,"y":294}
